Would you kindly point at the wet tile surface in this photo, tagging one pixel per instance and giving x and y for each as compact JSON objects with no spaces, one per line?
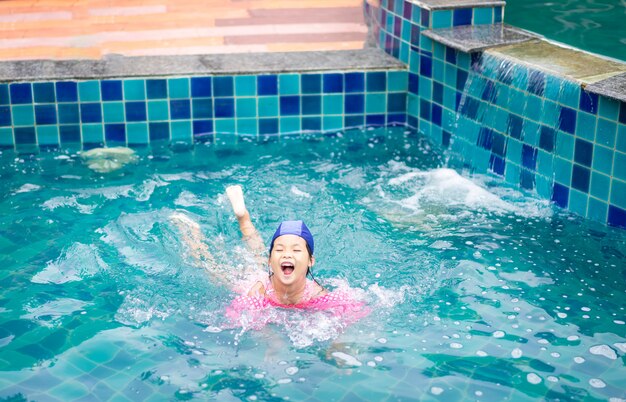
{"x":472,"y":38}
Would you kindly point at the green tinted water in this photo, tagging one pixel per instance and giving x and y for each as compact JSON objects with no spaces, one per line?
{"x":596,"y":26}
{"x":477,"y":291}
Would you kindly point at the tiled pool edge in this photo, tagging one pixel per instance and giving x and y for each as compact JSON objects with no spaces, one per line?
{"x":135,"y":101}
{"x":537,"y":130}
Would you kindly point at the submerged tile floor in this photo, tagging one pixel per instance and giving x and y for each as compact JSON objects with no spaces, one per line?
{"x":91,"y":29}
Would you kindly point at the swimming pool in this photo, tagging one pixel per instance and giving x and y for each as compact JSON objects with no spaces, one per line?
{"x":478,"y":291}
{"x":591,"y":25}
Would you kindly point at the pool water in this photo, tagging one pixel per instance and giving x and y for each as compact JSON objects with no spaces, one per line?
{"x":477,"y":291}
{"x":592,"y":25}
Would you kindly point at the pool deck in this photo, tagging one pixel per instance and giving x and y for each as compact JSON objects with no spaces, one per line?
{"x":92,"y":29}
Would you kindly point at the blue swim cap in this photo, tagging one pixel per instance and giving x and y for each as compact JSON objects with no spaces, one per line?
{"x":297,"y":228}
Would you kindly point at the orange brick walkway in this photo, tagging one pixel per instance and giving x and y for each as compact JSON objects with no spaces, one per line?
{"x":79,"y":29}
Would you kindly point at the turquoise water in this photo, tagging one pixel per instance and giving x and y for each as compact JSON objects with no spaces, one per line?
{"x":593,"y":25}
{"x":478,"y":292}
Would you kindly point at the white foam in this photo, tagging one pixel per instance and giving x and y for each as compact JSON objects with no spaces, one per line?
{"x":27,"y":188}
{"x":68,"y":202}
{"x":603,"y":350}
{"x":299,"y":193}
{"x":597,"y":383}
{"x":533,"y":378}
{"x":621,"y":346}
{"x":425,"y":197}
{"x":50,"y":313}
{"x":187,"y":199}
{"x":441,"y":245}
{"x":436,"y":390}
{"x":75,"y":263}
{"x":347,"y":359}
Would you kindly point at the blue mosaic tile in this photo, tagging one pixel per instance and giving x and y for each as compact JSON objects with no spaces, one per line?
{"x":354,"y":104}
{"x":134,"y":90}
{"x":245,"y":85}
{"x":311,"y":104}
{"x":569,"y":94}
{"x":156,"y":89}
{"x":461,"y":78}
{"x":268,"y":126}
{"x":527,"y":179}
{"x":45,"y":114}
{"x":90,"y":113}
{"x":203,"y":108}
{"x":588,"y":102}
{"x":608,"y":108}
{"x":179,"y":87}
{"x":158,"y":110}
{"x":578,"y":202}
{"x":424,"y":18}
{"x":407,"y":10}
{"x":562,"y":171}
{"x":111,"y":90}
{"x":552,"y":88}
{"x":617,"y":216}
{"x":560,"y":195}
{"x":597,"y":210}
{"x":397,"y":81}
{"x":462,"y":16}
{"x":567,"y":120}
{"x":333,"y":104}
{"x":375,"y":103}
{"x":5,"y":99}
{"x":375,"y":119}
{"x":586,"y":125}
{"x":543,"y":186}
{"x":224,"y":107}
{"x":618,"y":193}
{"x":289,"y":105}
{"x":442,"y":19}
{"x":580,"y":178}
{"x":424,"y":109}
{"x":312,"y":123}
{"x":583,"y":152}
{"x":115,"y":132}
{"x":483,"y":15}
{"x":514,"y":127}
{"x":267,"y":85}
{"x":290,"y":125}
{"x":223,"y":86}
{"x":137,"y":133}
{"x":600,"y":185}
{"x":180,"y":109}
{"x":44,"y":92}
{"x":21,"y":93}
{"x":5,"y":116}
{"x":268,"y":106}
{"x":603,"y":160}
{"x":332,"y":83}
{"x":112,"y":112}
{"x":530,"y":132}
{"x":354,"y":121}
{"x":529,"y":157}
{"x":396,"y":102}
{"x":181,"y":131}
{"x":201,"y":87}
{"x":311,"y":83}
{"x":564,"y":145}
{"x":202,"y":127}
{"x":159,"y":131}
{"x":622,"y":112}
{"x":620,"y":141}
{"x":69,"y":134}
{"x":426,"y":66}
{"x":497,"y":14}
{"x":48,"y":136}
{"x":66,"y":91}
{"x":136,"y":111}
{"x":289,"y":84}
{"x":25,"y":135}
{"x":497,"y":165}
{"x":545,"y":163}
{"x":619,"y":166}
{"x":23,"y":115}
{"x":606,"y":132}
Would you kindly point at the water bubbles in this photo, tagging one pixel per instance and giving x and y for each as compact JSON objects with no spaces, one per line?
{"x":561,"y":315}
{"x":498,"y":334}
{"x":378,"y":358}
{"x":603,"y":350}
{"x":284,"y":381}
{"x":456,"y":345}
{"x":533,"y":378}
{"x":516,"y":353}
{"x":619,"y":322}
{"x":436,"y":390}
{"x":597,"y":383}
{"x":481,"y":353}
{"x":579,"y":360}
{"x":381,"y":340}
{"x":291,"y":370}
{"x":573,"y":338}
{"x":621,"y":346}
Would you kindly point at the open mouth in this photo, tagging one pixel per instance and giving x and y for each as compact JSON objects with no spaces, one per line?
{"x":287,"y":268}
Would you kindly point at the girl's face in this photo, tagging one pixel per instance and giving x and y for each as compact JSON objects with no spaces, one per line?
{"x":290,"y":259}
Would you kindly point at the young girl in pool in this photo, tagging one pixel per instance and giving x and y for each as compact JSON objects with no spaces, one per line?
{"x":285,"y":285}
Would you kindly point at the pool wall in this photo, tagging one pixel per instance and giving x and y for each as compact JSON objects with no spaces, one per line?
{"x":538,"y":130}
{"x":146,"y":110}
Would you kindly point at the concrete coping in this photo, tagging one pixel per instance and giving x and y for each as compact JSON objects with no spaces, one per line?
{"x":598,"y":74}
{"x":452,"y":4}
{"x":219,"y":64}
{"x":475,"y":38}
